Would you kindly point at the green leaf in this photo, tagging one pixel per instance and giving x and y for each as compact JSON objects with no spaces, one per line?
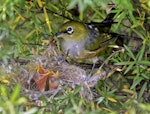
{"x":144,"y":62}
{"x":136,"y":81}
{"x":132,"y":17}
{"x":144,"y":106}
{"x":122,"y":16}
{"x":100,"y":99}
{"x":140,"y":54}
{"x":146,"y":76}
{"x":15,"y":94}
{"x":3,"y":91}
{"x":78,"y":88}
{"x":72,"y":4}
{"x":138,"y":33}
{"x":130,"y":52}
{"x":21,"y":100}
{"x":125,"y":63}
{"x":130,"y":67}
{"x":142,"y":90}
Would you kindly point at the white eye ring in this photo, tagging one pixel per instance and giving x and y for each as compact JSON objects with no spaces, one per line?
{"x":70,"y":30}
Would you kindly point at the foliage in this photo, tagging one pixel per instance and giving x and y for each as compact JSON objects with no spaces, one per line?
{"x":12,"y":102}
{"x":28,"y":25}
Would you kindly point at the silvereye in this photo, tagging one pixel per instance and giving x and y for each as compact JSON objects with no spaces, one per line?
{"x":82,"y":41}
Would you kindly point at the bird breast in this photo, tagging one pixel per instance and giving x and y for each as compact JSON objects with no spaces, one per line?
{"x":72,"y":48}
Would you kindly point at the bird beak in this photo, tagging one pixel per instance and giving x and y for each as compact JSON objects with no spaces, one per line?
{"x":59,"y":34}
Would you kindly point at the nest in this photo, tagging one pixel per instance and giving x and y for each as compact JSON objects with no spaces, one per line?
{"x":69,"y":75}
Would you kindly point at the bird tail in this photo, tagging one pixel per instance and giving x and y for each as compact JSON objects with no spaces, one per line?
{"x":109,"y":20}
{"x":106,"y":24}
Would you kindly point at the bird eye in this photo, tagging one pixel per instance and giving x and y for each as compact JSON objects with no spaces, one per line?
{"x":70,"y":30}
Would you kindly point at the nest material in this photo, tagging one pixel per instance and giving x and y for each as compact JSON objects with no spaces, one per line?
{"x":70,"y":75}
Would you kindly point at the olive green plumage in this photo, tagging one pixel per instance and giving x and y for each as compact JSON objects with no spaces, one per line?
{"x":83,"y":41}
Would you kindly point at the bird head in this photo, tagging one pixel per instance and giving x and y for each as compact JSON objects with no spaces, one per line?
{"x":73,"y":30}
